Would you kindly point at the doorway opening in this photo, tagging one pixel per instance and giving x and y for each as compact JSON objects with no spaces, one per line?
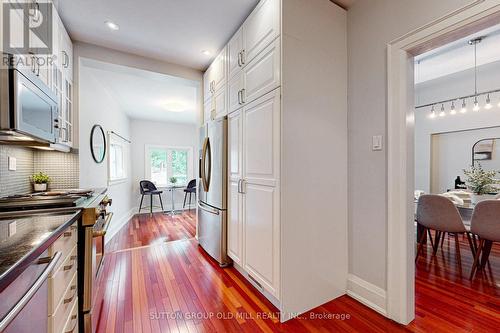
{"x":401,"y":139}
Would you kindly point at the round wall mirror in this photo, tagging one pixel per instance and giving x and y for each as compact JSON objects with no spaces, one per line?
{"x":98,"y":143}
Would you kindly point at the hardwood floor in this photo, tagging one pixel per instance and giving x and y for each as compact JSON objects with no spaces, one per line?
{"x":144,"y":230}
{"x":152,"y":283}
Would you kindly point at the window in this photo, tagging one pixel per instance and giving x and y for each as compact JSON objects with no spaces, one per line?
{"x":163,"y":163}
{"x":117,"y":166}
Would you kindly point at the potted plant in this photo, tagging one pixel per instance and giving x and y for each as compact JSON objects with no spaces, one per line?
{"x":40,"y":181}
{"x":173,"y":180}
{"x":481,"y":183}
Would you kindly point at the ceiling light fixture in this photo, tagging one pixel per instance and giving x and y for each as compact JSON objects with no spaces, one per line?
{"x":433,"y":113}
{"x":206,"y":52}
{"x":464,"y":107}
{"x":174,"y":107}
{"x":442,"y":113}
{"x":452,"y":109}
{"x":112,"y":25}
{"x":488,"y":102}
{"x":476,"y":105}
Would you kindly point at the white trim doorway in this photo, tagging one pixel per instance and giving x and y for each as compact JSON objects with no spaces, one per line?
{"x":400,"y":158}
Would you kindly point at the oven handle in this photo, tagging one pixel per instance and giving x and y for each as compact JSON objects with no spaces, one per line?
{"x":105,"y":226}
{"x":31,"y":292}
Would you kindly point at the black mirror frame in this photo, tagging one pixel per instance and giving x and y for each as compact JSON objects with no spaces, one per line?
{"x":94,"y":128}
{"x":474,"y":146}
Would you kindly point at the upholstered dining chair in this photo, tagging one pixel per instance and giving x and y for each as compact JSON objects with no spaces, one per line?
{"x":190,"y":188}
{"x":485,"y":223}
{"x":149,"y":188}
{"x":435,"y":212}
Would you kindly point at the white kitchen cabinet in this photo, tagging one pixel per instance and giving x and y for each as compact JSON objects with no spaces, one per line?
{"x":207,"y":110}
{"x":235,"y":90}
{"x":235,"y":199}
{"x":253,"y":224}
{"x":220,"y":103}
{"x":259,"y":77}
{"x":219,"y":71}
{"x":207,"y":84}
{"x":235,"y":54}
{"x":262,"y":74}
{"x":260,"y":28}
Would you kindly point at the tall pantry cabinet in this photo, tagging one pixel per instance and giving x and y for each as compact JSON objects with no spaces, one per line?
{"x":284,"y":83}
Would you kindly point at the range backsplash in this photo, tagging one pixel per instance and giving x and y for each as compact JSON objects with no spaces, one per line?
{"x":63,"y":169}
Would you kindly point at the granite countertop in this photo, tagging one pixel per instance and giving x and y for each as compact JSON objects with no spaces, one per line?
{"x":31,"y":237}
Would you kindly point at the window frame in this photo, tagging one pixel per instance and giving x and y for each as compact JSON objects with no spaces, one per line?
{"x":112,"y":140}
{"x":147,"y":161}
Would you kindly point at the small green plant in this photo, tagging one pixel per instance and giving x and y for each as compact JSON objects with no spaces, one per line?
{"x":40,"y":178}
{"x":173,"y":180}
{"x":480,"y":181}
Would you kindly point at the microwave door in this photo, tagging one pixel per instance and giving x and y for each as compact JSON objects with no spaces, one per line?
{"x":35,"y":112}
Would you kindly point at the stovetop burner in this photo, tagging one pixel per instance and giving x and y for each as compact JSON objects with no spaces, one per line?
{"x":54,"y":199}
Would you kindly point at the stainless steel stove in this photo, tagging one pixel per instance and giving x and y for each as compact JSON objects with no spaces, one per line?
{"x":43,"y":200}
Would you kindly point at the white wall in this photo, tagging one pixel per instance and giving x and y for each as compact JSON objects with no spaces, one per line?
{"x":452,"y":152}
{"x":451,"y":86}
{"x":371,"y":24}
{"x":164,"y":134}
{"x":97,"y":106}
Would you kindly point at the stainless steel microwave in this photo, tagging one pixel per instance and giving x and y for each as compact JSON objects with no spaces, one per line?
{"x":28,"y":108}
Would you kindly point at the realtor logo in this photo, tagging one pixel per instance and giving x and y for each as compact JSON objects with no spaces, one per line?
{"x":27,"y":27}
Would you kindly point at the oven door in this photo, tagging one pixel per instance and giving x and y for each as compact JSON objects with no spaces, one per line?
{"x":35,"y":110}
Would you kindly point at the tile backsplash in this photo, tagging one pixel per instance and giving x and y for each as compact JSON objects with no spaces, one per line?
{"x":63,"y":169}
{"x":15,"y":182}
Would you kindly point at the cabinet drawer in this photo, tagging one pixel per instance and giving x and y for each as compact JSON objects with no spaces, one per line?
{"x":65,"y":243}
{"x":61,"y":279}
{"x":72,"y":323}
{"x":58,"y":320}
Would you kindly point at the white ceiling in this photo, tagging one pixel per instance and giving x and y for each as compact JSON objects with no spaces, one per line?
{"x":458,"y":56}
{"x":147,"y":95}
{"x":171,"y":30}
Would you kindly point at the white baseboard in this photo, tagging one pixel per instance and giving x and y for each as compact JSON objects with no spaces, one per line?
{"x":118,"y":224}
{"x":369,"y":294}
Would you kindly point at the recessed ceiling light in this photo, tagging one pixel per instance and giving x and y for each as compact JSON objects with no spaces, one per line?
{"x":112,"y":25}
{"x":206,"y":52}
{"x":174,"y":107}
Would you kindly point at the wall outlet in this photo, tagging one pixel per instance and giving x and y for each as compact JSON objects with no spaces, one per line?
{"x":377,"y":144}
{"x":12,"y":163}
{"x":12,"y":228}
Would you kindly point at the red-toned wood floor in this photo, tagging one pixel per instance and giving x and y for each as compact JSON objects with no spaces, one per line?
{"x":151,"y":284}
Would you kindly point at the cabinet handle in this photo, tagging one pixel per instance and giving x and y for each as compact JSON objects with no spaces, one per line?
{"x":239,"y":185}
{"x":7,"y":319}
{"x":242,"y":186}
{"x":239,"y":59}
{"x":68,"y":234}
{"x":242,"y":57}
{"x":66,"y":59}
{"x":239,"y":97}
{"x":243,"y":95}
{"x":70,"y":299}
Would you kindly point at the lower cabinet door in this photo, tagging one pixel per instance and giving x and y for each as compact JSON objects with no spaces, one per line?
{"x":262,"y":235}
{"x":234,"y":241}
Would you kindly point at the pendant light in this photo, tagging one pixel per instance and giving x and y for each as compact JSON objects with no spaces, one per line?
{"x":464,"y":107}
{"x":433,"y":113}
{"x":488,"y":102}
{"x":452,"y":109}
{"x":442,"y":113}
{"x":474,"y":43}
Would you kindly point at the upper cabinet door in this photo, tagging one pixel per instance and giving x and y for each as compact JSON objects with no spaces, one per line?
{"x":220,"y":71}
{"x":207,"y":84}
{"x":234,"y":53}
{"x":262,"y":74}
{"x":260,"y":28}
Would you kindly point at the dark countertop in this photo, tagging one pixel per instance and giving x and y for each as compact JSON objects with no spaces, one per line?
{"x":33,"y":235}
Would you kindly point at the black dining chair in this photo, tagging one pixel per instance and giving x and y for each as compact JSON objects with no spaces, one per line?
{"x":190,"y":188}
{"x":148,"y":188}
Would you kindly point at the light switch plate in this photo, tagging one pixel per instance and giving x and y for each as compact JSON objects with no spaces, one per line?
{"x":12,"y":163}
{"x":12,"y":228}
{"x":377,"y":143}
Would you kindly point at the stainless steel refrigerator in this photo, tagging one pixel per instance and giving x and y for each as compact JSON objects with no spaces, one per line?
{"x":212,"y":191}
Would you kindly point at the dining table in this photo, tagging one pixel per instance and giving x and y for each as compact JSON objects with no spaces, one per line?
{"x":171,"y":188}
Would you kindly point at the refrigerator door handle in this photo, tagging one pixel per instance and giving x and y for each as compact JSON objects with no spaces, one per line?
{"x":207,"y":208}
{"x":206,"y":153}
